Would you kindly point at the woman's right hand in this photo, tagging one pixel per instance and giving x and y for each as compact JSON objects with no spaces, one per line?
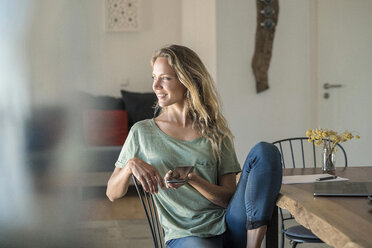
{"x":146,"y":174}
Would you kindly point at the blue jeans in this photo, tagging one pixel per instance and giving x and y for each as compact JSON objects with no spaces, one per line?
{"x":253,"y":203}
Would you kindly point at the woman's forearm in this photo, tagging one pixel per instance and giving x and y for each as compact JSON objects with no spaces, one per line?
{"x":218,"y":194}
{"x":118,"y":183}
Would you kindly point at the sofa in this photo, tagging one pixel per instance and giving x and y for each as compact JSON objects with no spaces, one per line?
{"x":106,"y":121}
{"x":103,"y":123}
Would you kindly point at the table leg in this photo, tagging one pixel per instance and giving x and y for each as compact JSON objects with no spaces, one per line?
{"x":272,"y":231}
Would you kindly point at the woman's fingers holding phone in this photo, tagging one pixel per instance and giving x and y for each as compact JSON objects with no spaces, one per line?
{"x":166,"y":178}
{"x":175,"y":185}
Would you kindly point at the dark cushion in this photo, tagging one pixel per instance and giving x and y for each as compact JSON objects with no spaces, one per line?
{"x":105,"y":127}
{"x":140,"y":106}
{"x":89,"y":101}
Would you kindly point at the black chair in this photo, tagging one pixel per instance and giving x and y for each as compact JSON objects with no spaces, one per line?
{"x":151,"y":214}
{"x":297,"y":151}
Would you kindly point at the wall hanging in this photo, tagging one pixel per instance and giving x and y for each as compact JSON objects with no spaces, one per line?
{"x":267,"y":19}
{"x":122,"y":15}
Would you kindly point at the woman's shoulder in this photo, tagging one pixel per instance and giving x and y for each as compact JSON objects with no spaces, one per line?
{"x":143,"y":125}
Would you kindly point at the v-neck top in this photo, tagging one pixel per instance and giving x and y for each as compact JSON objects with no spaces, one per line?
{"x":163,"y":133}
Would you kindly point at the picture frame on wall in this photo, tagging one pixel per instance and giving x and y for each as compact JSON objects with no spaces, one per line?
{"x":122,"y":15}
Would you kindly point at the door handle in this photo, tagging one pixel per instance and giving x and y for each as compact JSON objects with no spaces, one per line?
{"x":328,"y":86}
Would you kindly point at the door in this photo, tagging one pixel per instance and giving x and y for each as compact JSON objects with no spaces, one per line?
{"x":345,"y":58}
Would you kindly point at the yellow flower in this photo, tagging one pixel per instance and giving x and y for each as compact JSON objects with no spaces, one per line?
{"x":325,"y":135}
{"x":328,"y":138}
{"x":309,"y":132}
{"x":318,"y":131}
{"x":336,"y":139}
{"x":331,"y":132}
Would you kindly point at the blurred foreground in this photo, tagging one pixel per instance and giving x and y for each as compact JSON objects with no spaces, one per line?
{"x":40,"y":162}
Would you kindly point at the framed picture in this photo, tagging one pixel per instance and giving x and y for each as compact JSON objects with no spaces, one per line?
{"x":122,"y":15}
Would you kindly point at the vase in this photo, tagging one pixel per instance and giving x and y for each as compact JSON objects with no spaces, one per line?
{"x":328,"y":161}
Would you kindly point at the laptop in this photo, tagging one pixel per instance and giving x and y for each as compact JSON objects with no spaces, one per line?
{"x":343,"y":188}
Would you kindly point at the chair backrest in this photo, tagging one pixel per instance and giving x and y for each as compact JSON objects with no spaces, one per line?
{"x":151,"y":214}
{"x":298,"y":152}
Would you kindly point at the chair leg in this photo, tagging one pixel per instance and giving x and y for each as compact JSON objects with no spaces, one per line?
{"x":294,"y":244}
{"x":282,"y":241}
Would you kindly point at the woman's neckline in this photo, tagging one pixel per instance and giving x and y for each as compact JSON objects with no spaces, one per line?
{"x":173,"y":138}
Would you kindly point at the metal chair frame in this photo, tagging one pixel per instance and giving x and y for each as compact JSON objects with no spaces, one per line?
{"x":298,"y":239}
{"x":151,"y":212}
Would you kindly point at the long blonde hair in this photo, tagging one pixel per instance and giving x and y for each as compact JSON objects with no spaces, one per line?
{"x":201,"y":96}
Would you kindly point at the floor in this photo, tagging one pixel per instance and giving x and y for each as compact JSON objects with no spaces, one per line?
{"x":115,"y":224}
{"x":121,"y":223}
{"x":100,"y":208}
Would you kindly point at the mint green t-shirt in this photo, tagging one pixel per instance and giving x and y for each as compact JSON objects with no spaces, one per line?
{"x":182,"y":212}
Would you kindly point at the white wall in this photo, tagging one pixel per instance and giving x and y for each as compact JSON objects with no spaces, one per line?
{"x":199,"y":31}
{"x":69,"y":37}
{"x":283,"y":110}
{"x":69,"y":40}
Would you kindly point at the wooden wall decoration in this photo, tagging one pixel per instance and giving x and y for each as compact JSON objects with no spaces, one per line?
{"x":267,"y":19}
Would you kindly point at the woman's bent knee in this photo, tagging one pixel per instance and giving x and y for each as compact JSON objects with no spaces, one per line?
{"x":266,"y":149}
{"x":267,"y":153}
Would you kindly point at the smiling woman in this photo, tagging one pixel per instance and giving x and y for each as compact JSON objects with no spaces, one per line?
{"x":207,"y":209}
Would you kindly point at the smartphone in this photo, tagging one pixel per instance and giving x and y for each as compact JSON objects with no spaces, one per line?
{"x":180,"y":174}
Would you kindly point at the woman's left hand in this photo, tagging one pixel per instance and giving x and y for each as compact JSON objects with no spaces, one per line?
{"x":172,"y":185}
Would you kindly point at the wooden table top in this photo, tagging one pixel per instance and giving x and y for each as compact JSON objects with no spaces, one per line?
{"x":339,"y":221}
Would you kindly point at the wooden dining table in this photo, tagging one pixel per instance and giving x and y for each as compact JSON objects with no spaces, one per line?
{"x":339,"y":221}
